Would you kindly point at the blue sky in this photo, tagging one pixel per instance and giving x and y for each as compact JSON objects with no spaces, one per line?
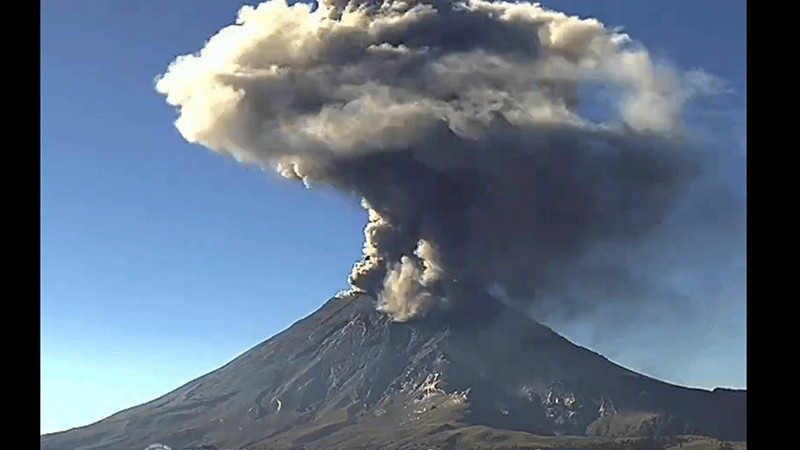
{"x":161,"y":261}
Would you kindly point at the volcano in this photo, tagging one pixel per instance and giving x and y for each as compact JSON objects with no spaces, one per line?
{"x":347,"y":376}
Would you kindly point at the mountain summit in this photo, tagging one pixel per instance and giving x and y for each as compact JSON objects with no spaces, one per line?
{"x":347,"y":376}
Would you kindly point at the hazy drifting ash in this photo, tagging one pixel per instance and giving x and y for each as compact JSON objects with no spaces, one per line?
{"x":465,"y":127}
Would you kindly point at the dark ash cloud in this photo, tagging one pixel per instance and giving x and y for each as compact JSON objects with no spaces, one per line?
{"x":458,"y":124}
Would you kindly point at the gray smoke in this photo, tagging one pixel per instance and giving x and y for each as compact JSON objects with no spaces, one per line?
{"x":462,"y":126}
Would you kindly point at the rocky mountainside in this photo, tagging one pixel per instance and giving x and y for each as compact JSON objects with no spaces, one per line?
{"x":347,"y":377}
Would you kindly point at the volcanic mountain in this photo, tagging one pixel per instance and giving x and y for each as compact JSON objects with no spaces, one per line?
{"x":347,"y":376}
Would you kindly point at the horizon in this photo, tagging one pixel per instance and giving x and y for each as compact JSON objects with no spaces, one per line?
{"x":162,"y":261}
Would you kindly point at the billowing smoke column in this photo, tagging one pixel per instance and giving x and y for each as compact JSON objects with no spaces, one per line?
{"x":463,"y":127}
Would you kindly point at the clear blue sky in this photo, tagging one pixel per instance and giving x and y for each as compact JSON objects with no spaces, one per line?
{"x":161,"y":261}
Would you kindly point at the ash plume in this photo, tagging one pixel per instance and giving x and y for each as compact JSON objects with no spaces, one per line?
{"x":463,"y":127}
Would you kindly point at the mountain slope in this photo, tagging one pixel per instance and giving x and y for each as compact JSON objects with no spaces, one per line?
{"x":347,"y":377}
